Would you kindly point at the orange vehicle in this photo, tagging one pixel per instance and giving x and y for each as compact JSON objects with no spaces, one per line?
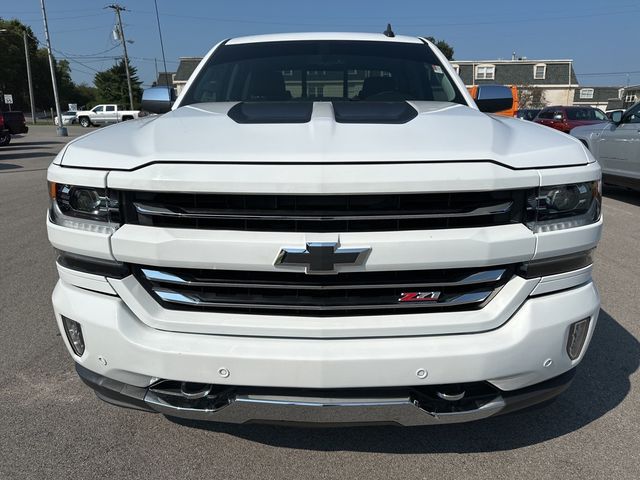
{"x":507,"y":113}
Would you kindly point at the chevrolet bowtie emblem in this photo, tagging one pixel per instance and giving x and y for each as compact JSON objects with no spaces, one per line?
{"x":322,"y":258}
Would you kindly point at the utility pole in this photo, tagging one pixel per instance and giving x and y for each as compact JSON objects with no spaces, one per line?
{"x":26,"y":55}
{"x":155,"y":62}
{"x":117,"y":8}
{"x":164,"y":60}
{"x":60,"y":130}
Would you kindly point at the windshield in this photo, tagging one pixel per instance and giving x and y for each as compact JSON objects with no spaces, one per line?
{"x":323,"y":71}
{"x":585,"y":114}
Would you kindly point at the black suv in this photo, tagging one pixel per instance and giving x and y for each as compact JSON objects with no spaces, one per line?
{"x":11,"y":123}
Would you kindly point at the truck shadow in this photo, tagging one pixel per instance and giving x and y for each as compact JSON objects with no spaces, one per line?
{"x":601,"y":383}
{"x":21,"y":146}
{"x":622,"y":194}
{"x":25,"y":155}
{"x":9,"y":166}
{"x":17,"y":142}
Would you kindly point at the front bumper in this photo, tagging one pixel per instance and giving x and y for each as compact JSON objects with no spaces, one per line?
{"x":529,"y":348}
{"x":396,"y":407}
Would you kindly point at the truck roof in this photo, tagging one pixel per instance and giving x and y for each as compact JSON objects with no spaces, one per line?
{"x":287,"y":37}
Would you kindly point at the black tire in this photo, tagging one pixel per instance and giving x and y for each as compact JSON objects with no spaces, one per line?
{"x":85,"y":122}
{"x":5,"y":139}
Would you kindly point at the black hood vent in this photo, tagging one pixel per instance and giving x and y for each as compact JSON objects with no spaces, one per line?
{"x":271,"y":112}
{"x":373,"y":112}
{"x":395,"y":112}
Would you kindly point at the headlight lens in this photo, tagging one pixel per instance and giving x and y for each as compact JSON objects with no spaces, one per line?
{"x":559,"y":207}
{"x":84,"y":208}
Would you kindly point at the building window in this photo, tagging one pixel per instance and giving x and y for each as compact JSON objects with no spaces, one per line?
{"x":630,"y":98}
{"x":539,"y":71}
{"x":287,"y":73}
{"x":315,"y":91}
{"x":456,"y":68}
{"x":586,"y":93}
{"x":485,"y":72}
{"x":352,"y":72}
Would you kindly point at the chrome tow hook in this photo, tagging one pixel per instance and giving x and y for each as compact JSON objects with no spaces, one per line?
{"x":193,"y":391}
{"x":451,"y":397}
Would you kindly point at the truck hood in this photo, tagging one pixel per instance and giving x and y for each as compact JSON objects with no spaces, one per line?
{"x":439,"y":132}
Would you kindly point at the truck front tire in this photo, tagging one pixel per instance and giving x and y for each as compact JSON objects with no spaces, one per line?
{"x":85,"y":122}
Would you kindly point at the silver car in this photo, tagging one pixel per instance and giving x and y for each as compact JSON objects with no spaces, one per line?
{"x":68,"y":118}
{"x":616,"y":145}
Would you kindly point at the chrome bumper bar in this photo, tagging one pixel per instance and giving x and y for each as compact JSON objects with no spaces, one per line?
{"x":330,"y":411}
{"x":251,"y":408}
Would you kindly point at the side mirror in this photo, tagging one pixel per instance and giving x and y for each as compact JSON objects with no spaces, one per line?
{"x":616,"y":117}
{"x":557,"y":117}
{"x":158,"y":99}
{"x":494,"y":98}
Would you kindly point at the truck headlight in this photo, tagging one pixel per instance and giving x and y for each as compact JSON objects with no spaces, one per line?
{"x":84,"y":208}
{"x":559,"y":207}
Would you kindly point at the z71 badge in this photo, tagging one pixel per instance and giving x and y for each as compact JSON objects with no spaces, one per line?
{"x":419,"y":297}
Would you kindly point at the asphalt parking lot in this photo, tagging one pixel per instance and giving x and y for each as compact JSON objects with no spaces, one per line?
{"x":52,"y":426}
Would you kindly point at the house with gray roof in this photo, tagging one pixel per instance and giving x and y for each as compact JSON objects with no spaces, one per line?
{"x":164,"y":79}
{"x":540,"y":82}
{"x":185,"y":69}
{"x":598,"y":97}
{"x":630,"y":96}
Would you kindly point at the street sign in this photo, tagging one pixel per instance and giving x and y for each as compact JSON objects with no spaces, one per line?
{"x":73,"y":107}
{"x":8,"y":99}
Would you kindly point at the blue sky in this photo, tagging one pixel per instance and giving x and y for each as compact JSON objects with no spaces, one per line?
{"x":596,"y":34}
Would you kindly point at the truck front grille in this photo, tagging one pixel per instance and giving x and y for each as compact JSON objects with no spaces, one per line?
{"x":342,"y":294}
{"x":325,"y":213}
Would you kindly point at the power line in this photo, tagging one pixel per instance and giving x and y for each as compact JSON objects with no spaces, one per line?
{"x":600,"y":74}
{"x":422,"y":25}
{"x":80,"y":55}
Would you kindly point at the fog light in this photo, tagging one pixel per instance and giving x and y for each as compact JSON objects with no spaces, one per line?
{"x":74,"y":335}
{"x":577,"y":336}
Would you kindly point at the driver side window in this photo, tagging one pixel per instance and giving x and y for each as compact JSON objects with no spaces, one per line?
{"x":97,"y":109}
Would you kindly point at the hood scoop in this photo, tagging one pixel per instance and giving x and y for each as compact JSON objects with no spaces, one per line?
{"x":373,"y":112}
{"x":271,"y":112}
{"x":301,"y":112}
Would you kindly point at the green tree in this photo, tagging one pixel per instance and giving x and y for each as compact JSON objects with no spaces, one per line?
{"x":444,"y":47}
{"x":86,"y":96}
{"x":111,"y":85}
{"x":13,"y":72}
{"x":13,"y":68}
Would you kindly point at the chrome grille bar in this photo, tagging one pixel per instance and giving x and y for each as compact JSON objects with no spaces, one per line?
{"x":176,"y":279}
{"x":192,"y":213}
{"x":461,"y":299}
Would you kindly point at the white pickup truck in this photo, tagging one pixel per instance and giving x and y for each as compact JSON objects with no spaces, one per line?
{"x":326,"y":228}
{"x":105,"y":114}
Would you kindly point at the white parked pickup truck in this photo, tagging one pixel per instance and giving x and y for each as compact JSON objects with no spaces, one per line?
{"x":326,"y":228}
{"x":105,"y":114}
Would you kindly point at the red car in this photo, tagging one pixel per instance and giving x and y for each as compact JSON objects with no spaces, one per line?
{"x":565,"y":118}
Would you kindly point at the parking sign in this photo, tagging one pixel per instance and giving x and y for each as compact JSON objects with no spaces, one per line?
{"x":8,"y":99}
